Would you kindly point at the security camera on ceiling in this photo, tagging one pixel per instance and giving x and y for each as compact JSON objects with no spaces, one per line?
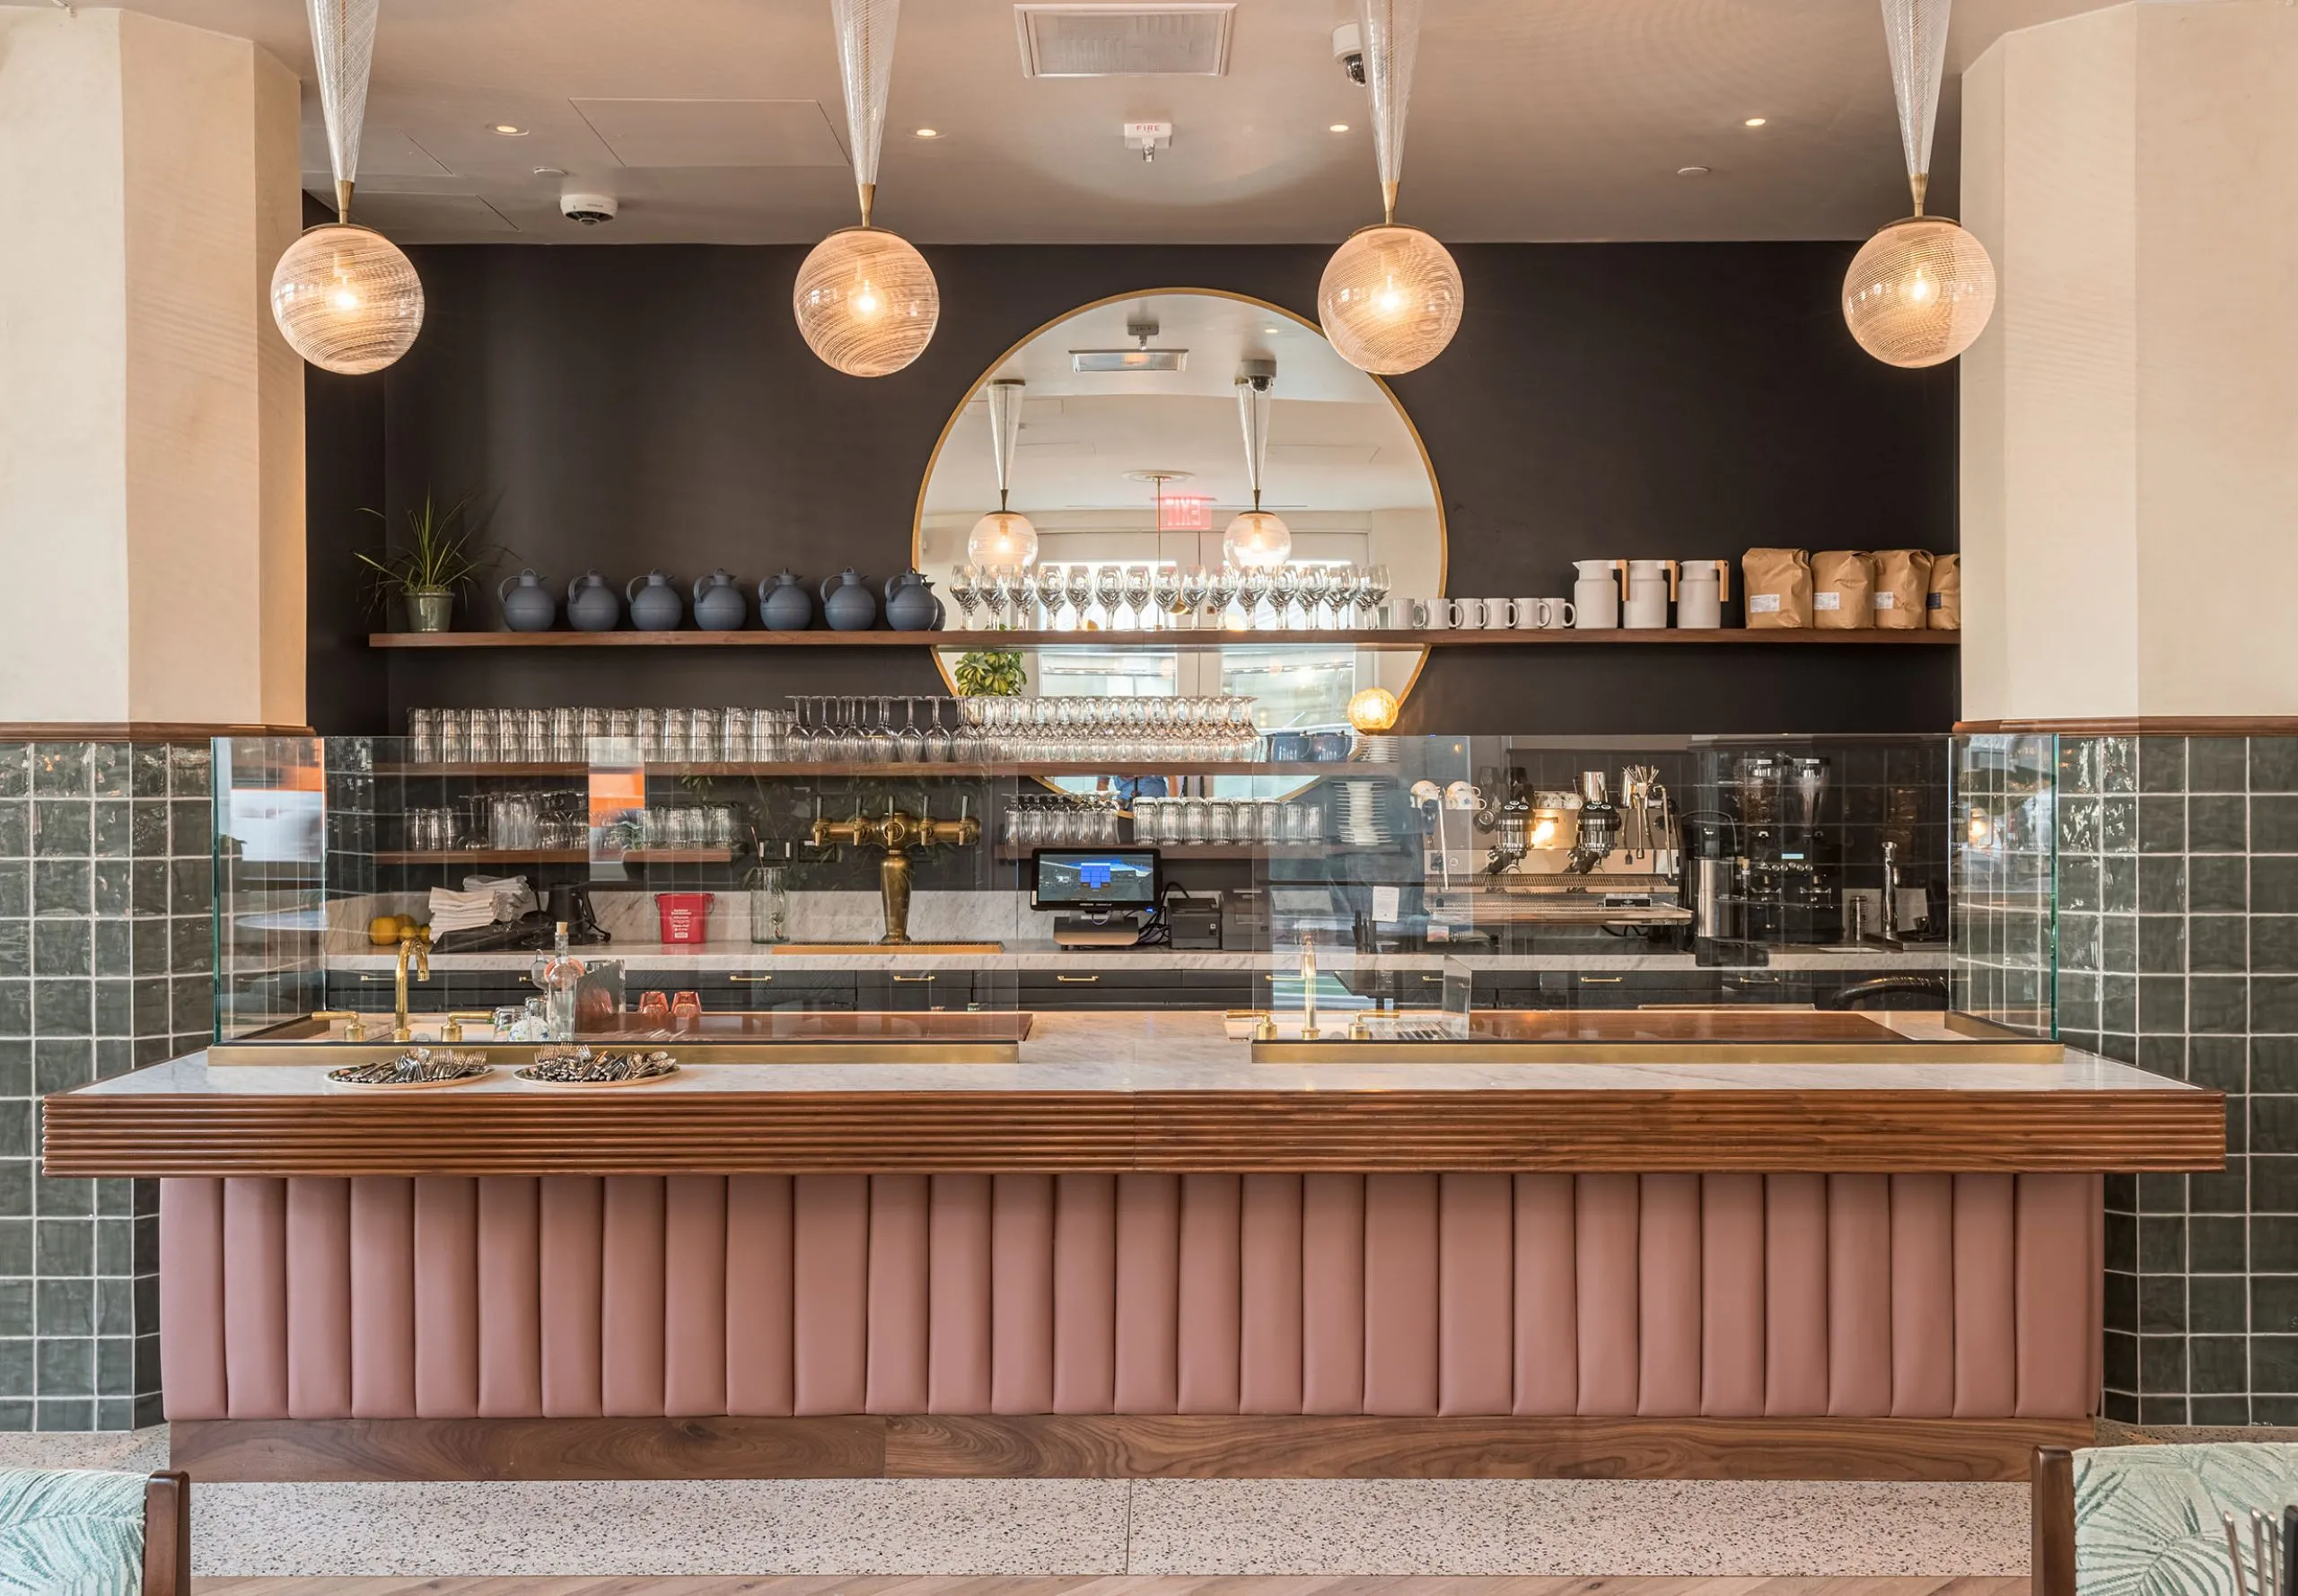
{"x":589,"y":209}
{"x":1348,"y":50}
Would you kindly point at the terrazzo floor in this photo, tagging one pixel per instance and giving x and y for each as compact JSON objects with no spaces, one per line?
{"x":855,"y":1528}
{"x":1119,"y":1585}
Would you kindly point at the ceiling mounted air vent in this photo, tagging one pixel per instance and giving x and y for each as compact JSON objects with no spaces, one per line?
{"x":1174,"y":39}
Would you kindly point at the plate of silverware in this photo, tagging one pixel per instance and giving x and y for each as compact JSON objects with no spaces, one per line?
{"x":417,"y":1068}
{"x":579,"y":1066}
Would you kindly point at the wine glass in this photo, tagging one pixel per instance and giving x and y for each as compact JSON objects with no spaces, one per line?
{"x":964,"y":591}
{"x":1283,"y":583}
{"x":1253,"y":587}
{"x":1195,"y":587}
{"x":1165,"y":593}
{"x":1375,"y":583}
{"x":1045,"y":590}
{"x":1081,"y":594}
{"x":1137,"y":597}
{"x":939,"y":744}
{"x":853,"y":742}
{"x":1109,"y":587}
{"x":910,"y":742}
{"x":1221,"y":592}
{"x":1317,"y":595}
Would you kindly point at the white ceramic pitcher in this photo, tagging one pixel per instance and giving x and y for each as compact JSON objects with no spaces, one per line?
{"x":1650,"y":585}
{"x":1700,"y":594}
{"x":1595,"y":596}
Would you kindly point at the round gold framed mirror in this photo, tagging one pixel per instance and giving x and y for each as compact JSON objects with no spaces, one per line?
{"x":1125,"y":438}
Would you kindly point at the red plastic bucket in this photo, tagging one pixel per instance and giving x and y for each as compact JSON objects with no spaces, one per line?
{"x":686,"y":915}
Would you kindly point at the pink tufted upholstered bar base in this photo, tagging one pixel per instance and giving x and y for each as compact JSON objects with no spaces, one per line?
{"x":1664,"y":1296}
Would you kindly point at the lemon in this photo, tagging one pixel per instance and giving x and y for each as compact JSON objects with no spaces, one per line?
{"x":382,"y":931}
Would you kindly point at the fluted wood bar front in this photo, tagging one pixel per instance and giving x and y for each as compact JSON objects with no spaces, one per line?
{"x":1138,"y":1251}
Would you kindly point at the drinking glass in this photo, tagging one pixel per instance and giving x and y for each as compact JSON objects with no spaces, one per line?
{"x":853,"y":742}
{"x":1165,"y":594}
{"x":734,"y":736}
{"x":1194,"y":818}
{"x":1079,"y":587}
{"x":1194,"y":588}
{"x":450,"y":733}
{"x":1109,"y":587}
{"x":1219,"y":814}
{"x":1046,"y":588}
{"x":422,"y":737}
{"x":1283,"y":583}
{"x":483,"y":746}
{"x":939,"y":745}
{"x":1253,"y":587}
{"x":963,"y":591}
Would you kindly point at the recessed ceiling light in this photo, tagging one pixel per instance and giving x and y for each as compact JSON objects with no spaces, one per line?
{"x":1755,"y":122}
{"x":1272,"y":332}
{"x":1691,"y":171}
{"x":926,"y":133}
{"x":509,"y":130}
{"x":1338,"y":127}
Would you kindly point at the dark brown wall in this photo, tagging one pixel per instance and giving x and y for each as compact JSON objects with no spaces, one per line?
{"x":625,"y":408}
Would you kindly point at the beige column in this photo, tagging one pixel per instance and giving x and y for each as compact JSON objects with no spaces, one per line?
{"x":151,"y":417}
{"x":2130,"y":421}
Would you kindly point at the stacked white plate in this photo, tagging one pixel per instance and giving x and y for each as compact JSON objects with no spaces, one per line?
{"x":1360,"y":817}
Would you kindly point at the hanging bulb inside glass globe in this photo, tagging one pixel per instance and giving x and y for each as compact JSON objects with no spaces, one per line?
{"x":1373,"y":709}
{"x":346,"y":299}
{"x":1002,"y":538}
{"x":1256,"y":540}
{"x":866,"y":302}
{"x":1919,"y":293}
{"x":1390,"y":299}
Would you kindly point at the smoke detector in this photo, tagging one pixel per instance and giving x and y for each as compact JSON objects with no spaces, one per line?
{"x":1168,"y":39}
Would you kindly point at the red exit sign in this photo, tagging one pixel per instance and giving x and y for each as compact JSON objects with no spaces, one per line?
{"x":1184,"y":513}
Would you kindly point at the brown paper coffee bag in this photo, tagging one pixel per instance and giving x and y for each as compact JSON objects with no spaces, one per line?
{"x":1778,"y":583}
{"x":1902,"y":588}
{"x":1843,"y":590}
{"x":1946,"y":600}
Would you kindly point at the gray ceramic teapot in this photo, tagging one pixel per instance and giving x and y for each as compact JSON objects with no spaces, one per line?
{"x":718,"y":602}
{"x":655,"y":604}
{"x":528,"y":606}
{"x":848,"y":602}
{"x":784,"y":604}
{"x":909,"y":602}
{"x":590,"y":604}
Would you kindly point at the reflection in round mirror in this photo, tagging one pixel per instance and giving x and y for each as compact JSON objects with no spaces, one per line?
{"x":1143,"y":427}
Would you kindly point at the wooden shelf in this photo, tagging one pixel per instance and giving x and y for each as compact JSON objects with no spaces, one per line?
{"x":485,"y":856}
{"x":1381,"y":640}
{"x":1189,"y":853}
{"x":904,"y":770}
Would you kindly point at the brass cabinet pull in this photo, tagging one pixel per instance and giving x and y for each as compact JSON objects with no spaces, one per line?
{"x":1429,"y":980}
{"x":749,"y":980}
{"x":1599,"y":981}
{"x":913,"y":979}
{"x":1076,"y":981}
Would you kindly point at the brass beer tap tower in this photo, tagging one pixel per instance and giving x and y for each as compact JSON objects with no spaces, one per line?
{"x":896,"y":831}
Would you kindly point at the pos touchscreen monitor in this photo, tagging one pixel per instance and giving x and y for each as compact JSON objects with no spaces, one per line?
{"x":1094,"y":879}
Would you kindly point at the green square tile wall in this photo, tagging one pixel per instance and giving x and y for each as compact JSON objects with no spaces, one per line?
{"x":106,"y":953}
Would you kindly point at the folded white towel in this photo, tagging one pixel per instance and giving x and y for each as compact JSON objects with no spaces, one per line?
{"x":513,"y":895}
{"x":460,"y":911}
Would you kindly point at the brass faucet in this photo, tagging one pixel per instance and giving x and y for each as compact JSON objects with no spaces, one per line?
{"x":355,"y":1028}
{"x":415,"y":945}
{"x":897,"y":832}
{"x":451,"y":1032}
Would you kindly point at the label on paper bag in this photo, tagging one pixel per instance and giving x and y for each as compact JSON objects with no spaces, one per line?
{"x":1886,"y":601}
{"x":1826,"y":600}
{"x":1763,"y":603}
{"x":1385,"y":902}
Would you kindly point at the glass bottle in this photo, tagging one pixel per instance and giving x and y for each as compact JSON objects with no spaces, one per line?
{"x":560,"y":978}
{"x":770,"y":904}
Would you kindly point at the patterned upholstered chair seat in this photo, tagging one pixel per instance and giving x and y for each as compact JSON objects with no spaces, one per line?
{"x":2146,"y":1517}
{"x":70,"y":1532}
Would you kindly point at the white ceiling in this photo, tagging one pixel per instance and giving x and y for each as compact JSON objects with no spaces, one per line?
{"x":1335,"y":442}
{"x":1532,"y":120}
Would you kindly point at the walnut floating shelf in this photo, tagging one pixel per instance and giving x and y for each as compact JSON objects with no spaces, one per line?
{"x":1208,"y":638}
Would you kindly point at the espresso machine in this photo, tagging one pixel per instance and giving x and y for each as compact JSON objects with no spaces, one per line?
{"x":1786,"y":874}
{"x":1605,"y":853}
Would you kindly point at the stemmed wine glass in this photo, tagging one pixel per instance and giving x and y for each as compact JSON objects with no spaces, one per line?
{"x":1253,"y":587}
{"x":1196,"y":587}
{"x":1165,"y":591}
{"x":910,"y":742}
{"x":1137,"y":597}
{"x":1373,"y":580}
{"x":1283,"y":583}
{"x":1080,"y":589}
{"x":963,"y":588}
{"x":1109,"y":587}
{"x":939,"y":744}
{"x":1047,"y":591}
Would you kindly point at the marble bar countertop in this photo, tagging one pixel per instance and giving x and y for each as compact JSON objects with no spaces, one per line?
{"x":714,"y":956}
{"x":1119,"y":1090}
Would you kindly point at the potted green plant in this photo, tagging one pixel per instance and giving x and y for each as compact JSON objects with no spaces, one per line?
{"x":440,"y":556}
{"x":985,"y":673}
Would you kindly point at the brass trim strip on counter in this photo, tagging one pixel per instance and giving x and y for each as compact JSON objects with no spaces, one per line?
{"x":757,"y":1050}
{"x":1582,"y":1050}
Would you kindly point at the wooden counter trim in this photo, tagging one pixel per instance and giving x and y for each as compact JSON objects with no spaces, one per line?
{"x":1189,"y":1446}
{"x":2140,"y":725}
{"x":800,"y":1133}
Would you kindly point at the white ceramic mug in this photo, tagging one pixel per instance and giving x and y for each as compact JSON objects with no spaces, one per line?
{"x":1548,"y":615}
{"x":1528,"y":614}
{"x":1427,"y":615}
{"x":1467,"y":615}
{"x":1500,"y":614}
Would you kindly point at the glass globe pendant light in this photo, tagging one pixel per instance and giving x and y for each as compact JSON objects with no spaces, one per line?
{"x":1255,"y":540}
{"x":1004,"y":537}
{"x":345,"y":298}
{"x":1373,"y":709}
{"x":1390,"y":297}
{"x":1920,"y":292}
{"x":865,"y":301}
